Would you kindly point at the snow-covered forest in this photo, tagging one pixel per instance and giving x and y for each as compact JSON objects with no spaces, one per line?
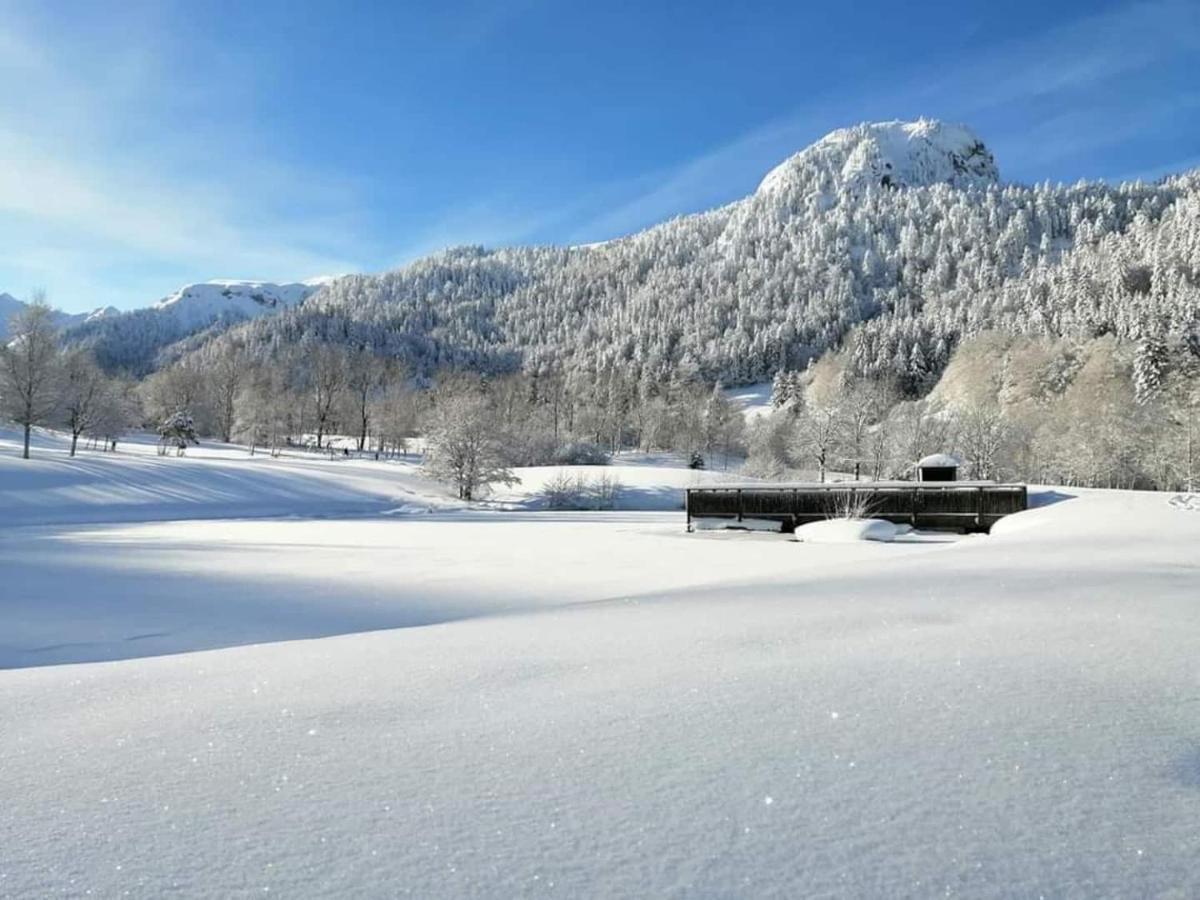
{"x":827,"y":252}
{"x":902,"y":298}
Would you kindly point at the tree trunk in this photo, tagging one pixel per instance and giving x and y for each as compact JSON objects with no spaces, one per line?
{"x":25,"y":454}
{"x":74,"y":441}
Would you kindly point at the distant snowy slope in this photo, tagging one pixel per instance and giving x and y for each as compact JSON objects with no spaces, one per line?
{"x":195,"y":306}
{"x":119,"y":337}
{"x":753,"y":400}
{"x":10,"y":306}
{"x":131,"y":340}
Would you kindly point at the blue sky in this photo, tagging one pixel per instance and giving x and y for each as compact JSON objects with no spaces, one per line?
{"x":146,"y":145}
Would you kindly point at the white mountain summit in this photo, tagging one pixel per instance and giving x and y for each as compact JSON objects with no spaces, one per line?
{"x":195,"y":306}
{"x":887,"y":154}
{"x":198,"y":305}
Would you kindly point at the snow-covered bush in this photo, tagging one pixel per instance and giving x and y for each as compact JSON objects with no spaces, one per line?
{"x":567,"y":491}
{"x":177,"y":430}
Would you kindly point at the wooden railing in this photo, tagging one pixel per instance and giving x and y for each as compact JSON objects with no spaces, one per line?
{"x":962,"y":506}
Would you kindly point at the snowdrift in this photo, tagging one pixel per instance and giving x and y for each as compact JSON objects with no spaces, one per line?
{"x":509,"y":703}
{"x":842,"y":531}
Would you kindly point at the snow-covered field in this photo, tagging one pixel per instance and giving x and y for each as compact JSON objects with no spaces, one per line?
{"x":753,"y":400}
{"x":503,"y":702}
{"x":641,"y":482}
{"x":211,"y":481}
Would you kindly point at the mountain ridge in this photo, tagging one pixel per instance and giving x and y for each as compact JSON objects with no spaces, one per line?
{"x":896,"y":236}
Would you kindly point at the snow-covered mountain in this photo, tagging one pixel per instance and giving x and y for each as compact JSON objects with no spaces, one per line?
{"x":192,"y":308}
{"x":10,"y":306}
{"x":132,"y":340}
{"x":894,"y":238}
{"x":897,"y":238}
{"x":888,"y":154}
{"x":196,"y":306}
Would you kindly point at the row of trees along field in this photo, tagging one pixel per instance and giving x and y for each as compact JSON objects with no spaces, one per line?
{"x":1096,"y":412}
{"x":301,"y":396}
{"x":43,"y":384}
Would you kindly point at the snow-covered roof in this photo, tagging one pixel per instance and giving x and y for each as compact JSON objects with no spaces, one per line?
{"x":939,"y":461}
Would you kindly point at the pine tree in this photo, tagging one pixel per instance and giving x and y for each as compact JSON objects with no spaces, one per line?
{"x":1150,"y":366}
{"x":177,"y":430}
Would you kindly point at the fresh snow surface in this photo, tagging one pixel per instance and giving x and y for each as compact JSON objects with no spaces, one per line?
{"x":843,"y":531}
{"x":509,"y":703}
{"x":211,"y":481}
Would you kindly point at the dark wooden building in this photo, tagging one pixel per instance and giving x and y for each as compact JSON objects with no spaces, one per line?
{"x":938,"y":467}
{"x":943,"y":505}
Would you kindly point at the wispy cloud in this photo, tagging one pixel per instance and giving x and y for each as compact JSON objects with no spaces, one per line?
{"x":90,"y":177}
{"x":706,"y":181}
{"x":1076,"y":132}
{"x":491,"y":221}
{"x":132,"y":158}
{"x":1069,"y":59}
{"x":1074,"y":56}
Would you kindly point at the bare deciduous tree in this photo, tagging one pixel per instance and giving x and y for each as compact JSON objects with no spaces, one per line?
{"x":394,"y":412}
{"x":177,"y":388}
{"x":83,"y":397}
{"x":364,"y":377}
{"x":326,"y":370}
{"x":119,"y":410}
{"x":29,"y":367}
{"x":982,"y":432}
{"x":225,"y":375}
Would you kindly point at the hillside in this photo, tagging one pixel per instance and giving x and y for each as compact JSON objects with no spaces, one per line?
{"x":904,"y":226}
{"x":895,"y":238}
